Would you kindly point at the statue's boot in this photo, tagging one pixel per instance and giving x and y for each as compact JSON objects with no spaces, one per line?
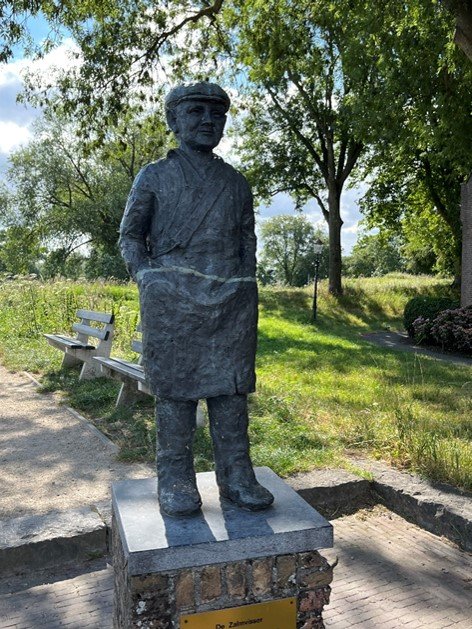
{"x":177,"y":487}
{"x":234,"y":472}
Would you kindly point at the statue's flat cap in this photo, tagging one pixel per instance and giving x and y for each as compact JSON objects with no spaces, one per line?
{"x":197,"y":91}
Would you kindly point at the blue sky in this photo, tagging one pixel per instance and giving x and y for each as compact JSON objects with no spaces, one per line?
{"x":16,"y":120}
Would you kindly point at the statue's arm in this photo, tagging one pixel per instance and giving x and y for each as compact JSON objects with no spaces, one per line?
{"x":134,"y":228}
{"x":248,"y":236}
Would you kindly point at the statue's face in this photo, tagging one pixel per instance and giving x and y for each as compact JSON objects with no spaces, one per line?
{"x":199,"y":124}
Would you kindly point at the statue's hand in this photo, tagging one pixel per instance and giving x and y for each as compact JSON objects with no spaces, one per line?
{"x":140,"y":275}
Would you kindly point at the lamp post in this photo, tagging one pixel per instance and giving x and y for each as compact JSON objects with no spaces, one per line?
{"x":318,"y":250}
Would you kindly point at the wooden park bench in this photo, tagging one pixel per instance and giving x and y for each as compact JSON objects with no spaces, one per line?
{"x":132,"y":378}
{"x":80,"y":349}
{"x":130,"y":374}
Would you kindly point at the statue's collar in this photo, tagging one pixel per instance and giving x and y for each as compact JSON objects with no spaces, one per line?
{"x":204,"y":170}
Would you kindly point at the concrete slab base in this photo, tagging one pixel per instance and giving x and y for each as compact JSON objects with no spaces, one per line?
{"x":37,"y":541}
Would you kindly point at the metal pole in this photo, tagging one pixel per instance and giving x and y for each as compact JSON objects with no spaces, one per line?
{"x":315,"y":291}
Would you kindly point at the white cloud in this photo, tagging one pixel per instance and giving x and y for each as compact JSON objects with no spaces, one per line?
{"x":12,"y":136}
{"x":60,"y":58}
{"x":16,"y":118}
{"x":352,"y":229}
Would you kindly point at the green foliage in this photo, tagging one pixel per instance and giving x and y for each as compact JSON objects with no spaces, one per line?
{"x":427,"y":307}
{"x":120,"y":44}
{"x":301,"y":138}
{"x":288,"y":242}
{"x":20,"y":250}
{"x":61,"y":262}
{"x":451,"y":329}
{"x":65,"y":195}
{"x":321,"y":389}
{"x":105,"y":263}
{"x":420,"y":152}
{"x":323,"y":86}
{"x":372,"y":255}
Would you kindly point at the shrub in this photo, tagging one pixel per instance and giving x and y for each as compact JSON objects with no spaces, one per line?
{"x":422,"y":330}
{"x":427,"y":308}
{"x":452,"y":329}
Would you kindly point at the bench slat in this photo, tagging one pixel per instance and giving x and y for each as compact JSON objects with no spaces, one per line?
{"x":119,"y":363}
{"x":92,"y":315}
{"x":132,"y":370}
{"x":130,"y":365}
{"x":80,"y":328}
{"x":65,"y":340}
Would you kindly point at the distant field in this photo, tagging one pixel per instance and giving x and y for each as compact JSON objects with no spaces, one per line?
{"x":323,"y":392}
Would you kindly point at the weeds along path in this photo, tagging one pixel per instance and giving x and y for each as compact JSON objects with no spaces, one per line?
{"x":49,"y":459}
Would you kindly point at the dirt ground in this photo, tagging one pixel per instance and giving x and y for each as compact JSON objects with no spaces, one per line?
{"x":50,"y":459}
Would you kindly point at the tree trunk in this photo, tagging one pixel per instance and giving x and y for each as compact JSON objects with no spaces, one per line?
{"x":463,"y":12}
{"x":334,"y":229}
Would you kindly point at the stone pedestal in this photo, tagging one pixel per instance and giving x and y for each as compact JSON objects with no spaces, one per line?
{"x":167,"y":569}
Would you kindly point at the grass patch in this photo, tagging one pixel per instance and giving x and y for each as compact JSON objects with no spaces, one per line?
{"x":323,"y":391}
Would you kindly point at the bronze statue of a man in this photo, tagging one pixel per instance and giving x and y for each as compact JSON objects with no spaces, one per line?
{"x":187,"y":236}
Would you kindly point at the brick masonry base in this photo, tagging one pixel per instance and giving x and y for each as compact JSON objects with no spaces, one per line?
{"x":157,"y":600}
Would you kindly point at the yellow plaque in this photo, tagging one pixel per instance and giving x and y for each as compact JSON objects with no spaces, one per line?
{"x":279,"y":614}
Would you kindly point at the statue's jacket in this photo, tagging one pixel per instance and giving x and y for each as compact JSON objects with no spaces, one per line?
{"x":188,"y":238}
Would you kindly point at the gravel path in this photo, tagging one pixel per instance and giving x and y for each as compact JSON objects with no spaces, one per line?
{"x":401,"y":341}
{"x":49,"y":459}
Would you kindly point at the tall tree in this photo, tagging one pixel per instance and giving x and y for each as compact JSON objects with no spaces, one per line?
{"x":120,"y":49}
{"x":69,"y":196}
{"x":301,"y":99}
{"x":20,"y":250}
{"x":462,"y":9}
{"x":420,"y":149}
{"x":288,"y":249}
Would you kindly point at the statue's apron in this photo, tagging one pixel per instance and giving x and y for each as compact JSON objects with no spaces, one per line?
{"x":199,"y":331}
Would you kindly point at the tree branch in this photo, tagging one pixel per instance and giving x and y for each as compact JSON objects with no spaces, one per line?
{"x":320,"y":126}
{"x":438,"y":202}
{"x":88,"y":193}
{"x":341,"y":156}
{"x":211,"y":12}
{"x":293,"y":127}
{"x":71,"y":249}
{"x":353,"y":153}
{"x":323,"y":207}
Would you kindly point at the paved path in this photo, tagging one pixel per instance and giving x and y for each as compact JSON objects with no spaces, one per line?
{"x":50,"y":459}
{"x":75,"y":602}
{"x":391,"y":574}
{"x":401,"y":341}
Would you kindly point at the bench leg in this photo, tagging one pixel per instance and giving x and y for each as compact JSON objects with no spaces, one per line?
{"x":201,"y":417}
{"x":90,"y":371}
{"x":70,"y":361}
{"x":129,"y":395}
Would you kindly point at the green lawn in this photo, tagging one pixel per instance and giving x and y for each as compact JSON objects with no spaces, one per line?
{"x":323,"y":392}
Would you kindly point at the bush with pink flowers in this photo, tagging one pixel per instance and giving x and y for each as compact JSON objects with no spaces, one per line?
{"x":451,"y":329}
